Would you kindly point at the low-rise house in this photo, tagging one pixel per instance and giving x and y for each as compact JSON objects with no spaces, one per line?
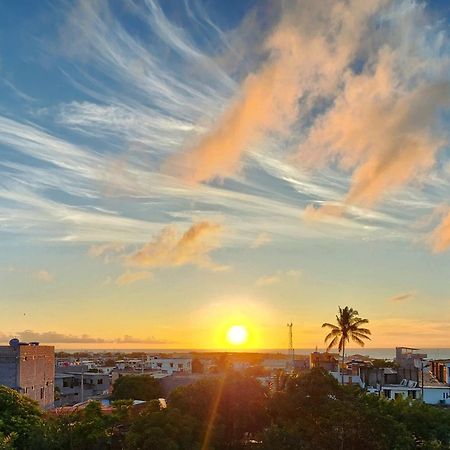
{"x":275,"y":364}
{"x":170,"y":365}
{"x":326,"y":361}
{"x":406,"y":389}
{"x":437,"y":395}
{"x":74,"y":384}
{"x":348,"y":378}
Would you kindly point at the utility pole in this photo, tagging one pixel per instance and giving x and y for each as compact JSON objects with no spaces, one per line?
{"x":291,"y":345}
{"x":82,"y":384}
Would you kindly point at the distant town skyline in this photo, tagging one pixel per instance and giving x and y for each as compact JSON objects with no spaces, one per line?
{"x":169,"y":170}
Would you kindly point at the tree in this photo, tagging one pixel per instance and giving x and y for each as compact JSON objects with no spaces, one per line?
{"x":167,"y":429}
{"x":231,"y":405}
{"x":21,"y":423}
{"x":136,"y":387}
{"x":316,"y":412}
{"x":348,"y":327}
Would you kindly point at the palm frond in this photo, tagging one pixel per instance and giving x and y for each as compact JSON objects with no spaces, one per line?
{"x":332,"y":343}
{"x":330,"y":325}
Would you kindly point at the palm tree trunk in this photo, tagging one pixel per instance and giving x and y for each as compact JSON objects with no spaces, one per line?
{"x":342,"y":365}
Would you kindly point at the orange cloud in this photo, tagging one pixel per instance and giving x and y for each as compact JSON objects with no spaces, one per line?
{"x":440,"y":236}
{"x":303,"y":55}
{"x":380,"y":130}
{"x":131,"y":277}
{"x":170,"y":249}
{"x":44,"y":276}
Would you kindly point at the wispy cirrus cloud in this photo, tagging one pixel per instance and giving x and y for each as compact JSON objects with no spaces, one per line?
{"x":278,"y":277}
{"x":132,"y":277}
{"x":262,"y":239}
{"x":135,"y":111}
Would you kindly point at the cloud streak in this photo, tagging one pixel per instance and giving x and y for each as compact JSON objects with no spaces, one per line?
{"x":132,"y":277}
{"x":171,"y":249}
{"x":53,"y":337}
{"x":402,"y":297}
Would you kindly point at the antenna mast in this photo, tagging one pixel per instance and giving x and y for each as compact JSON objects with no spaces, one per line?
{"x":291,"y":345}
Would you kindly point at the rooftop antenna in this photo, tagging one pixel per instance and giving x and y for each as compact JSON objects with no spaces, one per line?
{"x":291,"y":345}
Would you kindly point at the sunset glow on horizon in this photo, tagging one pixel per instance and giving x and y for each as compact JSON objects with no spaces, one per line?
{"x":195,"y":175}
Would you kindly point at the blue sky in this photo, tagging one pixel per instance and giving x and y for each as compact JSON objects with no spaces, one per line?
{"x":168,"y":169}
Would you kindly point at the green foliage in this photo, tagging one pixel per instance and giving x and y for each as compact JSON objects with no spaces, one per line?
{"x":136,"y":387}
{"x":163,"y":430}
{"x":348,"y":327}
{"x":21,"y":424}
{"x":197,"y":366}
{"x":236,"y":403}
{"x":312,"y":411}
{"x":90,"y":428}
{"x":315,"y":412}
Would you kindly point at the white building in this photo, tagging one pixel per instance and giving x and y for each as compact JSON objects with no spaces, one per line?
{"x":405,"y":390}
{"x":275,"y":364}
{"x":437,"y":395}
{"x":170,"y":365}
{"x":348,"y":379}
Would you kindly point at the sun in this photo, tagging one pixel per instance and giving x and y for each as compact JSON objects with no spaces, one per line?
{"x":237,"y":335}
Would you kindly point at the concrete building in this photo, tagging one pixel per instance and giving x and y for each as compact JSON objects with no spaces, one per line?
{"x":170,"y":365}
{"x":437,"y":395}
{"x":29,"y":369}
{"x":74,"y":384}
{"x":273,"y":364}
{"x":440,"y":369}
{"x":406,"y":389}
{"x":348,"y":378}
{"x":327,"y":361}
{"x":407,"y":358}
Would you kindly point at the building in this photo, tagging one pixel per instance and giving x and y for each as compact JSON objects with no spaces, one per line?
{"x":74,"y":384}
{"x":327,"y":361}
{"x":440,"y":369}
{"x":437,"y":395}
{"x":407,"y":358}
{"x":170,"y":365}
{"x":29,"y":369}
{"x":406,"y":389}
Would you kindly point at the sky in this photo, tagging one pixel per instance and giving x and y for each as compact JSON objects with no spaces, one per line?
{"x":171,"y":169}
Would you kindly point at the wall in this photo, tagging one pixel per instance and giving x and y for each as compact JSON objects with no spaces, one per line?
{"x":8,"y":367}
{"x":436,"y":395}
{"x":37,"y":373}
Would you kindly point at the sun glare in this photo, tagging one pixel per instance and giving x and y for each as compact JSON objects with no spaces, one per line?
{"x":237,"y":335}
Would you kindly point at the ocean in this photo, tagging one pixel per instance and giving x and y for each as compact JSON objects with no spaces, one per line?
{"x":381,"y":353}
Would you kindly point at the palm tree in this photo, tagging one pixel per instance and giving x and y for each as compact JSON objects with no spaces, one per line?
{"x":348,"y":327}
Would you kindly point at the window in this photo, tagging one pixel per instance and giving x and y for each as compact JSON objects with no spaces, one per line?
{"x":171,"y":364}
{"x":42,"y":393}
{"x":100,"y":381}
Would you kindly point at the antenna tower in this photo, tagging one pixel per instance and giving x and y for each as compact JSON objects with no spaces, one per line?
{"x":291,"y":345}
